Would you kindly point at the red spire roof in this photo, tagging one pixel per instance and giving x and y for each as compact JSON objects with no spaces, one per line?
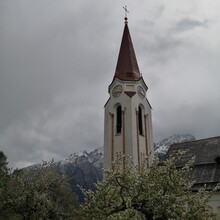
{"x":127,"y":66}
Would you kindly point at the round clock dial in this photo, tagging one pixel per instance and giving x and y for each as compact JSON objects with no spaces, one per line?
{"x":141,"y":92}
{"x":117,"y":90}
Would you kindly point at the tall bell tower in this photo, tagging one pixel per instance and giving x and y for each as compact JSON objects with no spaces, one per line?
{"x":128,"y":123}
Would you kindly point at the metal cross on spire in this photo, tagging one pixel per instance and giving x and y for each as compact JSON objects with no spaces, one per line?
{"x":126,"y":12}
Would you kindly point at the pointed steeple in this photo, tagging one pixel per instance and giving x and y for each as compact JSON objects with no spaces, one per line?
{"x":127,"y":66}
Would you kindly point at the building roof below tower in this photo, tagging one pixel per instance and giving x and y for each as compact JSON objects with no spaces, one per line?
{"x":206,"y":168}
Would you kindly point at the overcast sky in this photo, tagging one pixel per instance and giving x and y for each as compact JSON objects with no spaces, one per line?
{"x":57,"y":58}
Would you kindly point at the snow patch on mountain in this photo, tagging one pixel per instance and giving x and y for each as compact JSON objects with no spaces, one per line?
{"x":163,"y":146}
{"x":94,"y":157}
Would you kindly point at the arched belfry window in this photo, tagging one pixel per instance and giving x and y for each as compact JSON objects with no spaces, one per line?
{"x":140,"y":120}
{"x":217,"y":159}
{"x":118,"y":119}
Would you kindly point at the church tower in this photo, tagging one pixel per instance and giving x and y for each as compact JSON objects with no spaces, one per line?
{"x":128,"y":123}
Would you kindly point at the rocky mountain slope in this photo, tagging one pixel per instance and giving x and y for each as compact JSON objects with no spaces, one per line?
{"x":84,"y":169}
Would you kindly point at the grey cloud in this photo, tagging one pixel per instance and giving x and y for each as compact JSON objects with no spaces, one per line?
{"x":188,"y":118}
{"x":158,"y":48}
{"x":189,"y":24}
{"x":58,"y":58}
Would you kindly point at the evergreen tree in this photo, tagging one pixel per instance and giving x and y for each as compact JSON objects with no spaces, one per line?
{"x":4,"y":180}
{"x":3,"y":169}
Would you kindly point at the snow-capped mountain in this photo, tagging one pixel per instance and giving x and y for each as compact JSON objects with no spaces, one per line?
{"x":94,"y":157}
{"x":83,"y":169}
{"x":163,"y":146}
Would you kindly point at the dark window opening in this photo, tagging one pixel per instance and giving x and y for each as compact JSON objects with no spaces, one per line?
{"x":140,"y":122}
{"x":217,"y":159}
{"x":119,"y":120}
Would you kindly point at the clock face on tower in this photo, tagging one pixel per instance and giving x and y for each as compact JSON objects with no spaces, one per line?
{"x":141,"y":92}
{"x":117,"y":90}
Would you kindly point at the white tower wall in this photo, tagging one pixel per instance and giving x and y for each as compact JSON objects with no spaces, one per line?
{"x":129,"y":141}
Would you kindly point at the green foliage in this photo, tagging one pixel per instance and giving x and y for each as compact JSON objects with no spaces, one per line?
{"x":160,"y":192}
{"x":3,"y":170}
{"x":40,"y":194}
